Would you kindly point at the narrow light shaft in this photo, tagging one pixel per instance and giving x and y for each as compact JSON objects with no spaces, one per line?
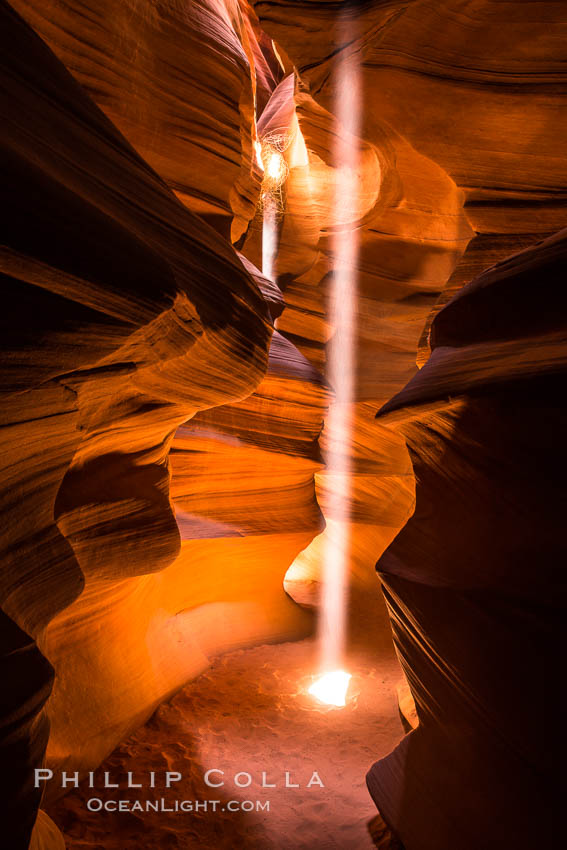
{"x":341,"y":356}
{"x":269,"y":237}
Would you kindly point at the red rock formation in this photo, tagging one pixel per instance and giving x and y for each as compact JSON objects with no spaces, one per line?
{"x":240,"y":527}
{"x":139,"y":312}
{"x":412,"y":229}
{"x":473,"y":581}
{"x":145,"y":317}
{"x":464,"y":95}
{"x":26,"y":683}
{"x":180,"y":81}
{"x":471,"y":86}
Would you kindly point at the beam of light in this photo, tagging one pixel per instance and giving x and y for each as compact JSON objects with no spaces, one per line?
{"x":341,"y":363}
{"x":331,"y":688}
{"x":269,"y":236}
{"x":275,"y":170}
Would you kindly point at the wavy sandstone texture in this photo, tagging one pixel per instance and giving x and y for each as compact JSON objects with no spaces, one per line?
{"x":162,"y":460}
{"x":473,"y":582}
{"x":408,"y":216}
{"x":143,"y":315}
{"x":465,"y":106}
{"x":474,"y":88}
{"x":180,"y":80}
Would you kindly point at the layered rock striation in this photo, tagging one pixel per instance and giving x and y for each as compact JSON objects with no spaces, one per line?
{"x":181,"y":81}
{"x":464,"y":103}
{"x":473,"y":582}
{"x":126,"y":315}
{"x":161,"y":452}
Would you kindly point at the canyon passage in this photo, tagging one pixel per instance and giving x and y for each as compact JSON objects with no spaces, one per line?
{"x":283,"y":356}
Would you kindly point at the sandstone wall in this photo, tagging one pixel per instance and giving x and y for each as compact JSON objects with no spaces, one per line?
{"x":126,"y":315}
{"x":474,"y":581}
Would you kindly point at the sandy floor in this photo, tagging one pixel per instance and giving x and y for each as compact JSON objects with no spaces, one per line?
{"x":249,"y":713}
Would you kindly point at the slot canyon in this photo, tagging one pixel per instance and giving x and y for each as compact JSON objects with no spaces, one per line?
{"x":286,"y":327}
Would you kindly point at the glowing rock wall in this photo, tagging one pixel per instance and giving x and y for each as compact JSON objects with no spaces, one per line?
{"x":126,"y":315}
